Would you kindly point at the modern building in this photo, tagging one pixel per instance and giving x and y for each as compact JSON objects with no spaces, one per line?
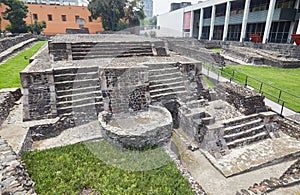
{"x":175,"y":6}
{"x":58,"y":2}
{"x":60,"y":18}
{"x":233,"y":20}
{"x":148,"y":8}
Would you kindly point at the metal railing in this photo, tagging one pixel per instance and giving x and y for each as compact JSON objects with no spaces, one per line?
{"x":278,"y":95}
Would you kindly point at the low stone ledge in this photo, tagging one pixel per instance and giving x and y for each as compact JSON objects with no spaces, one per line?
{"x":8,"y":97}
{"x":138,"y":130}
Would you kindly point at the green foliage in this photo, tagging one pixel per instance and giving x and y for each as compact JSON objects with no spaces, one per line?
{"x":68,"y":169}
{"x":116,"y":13}
{"x":287,"y":79}
{"x":110,"y":11}
{"x":15,"y":12}
{"x":208,"y":82}
{"x":10,"y":70}
{"x":217,"y":50}
{"x":152,"y":33}
{"x":134,"y":12}
{"x":37,"y":27}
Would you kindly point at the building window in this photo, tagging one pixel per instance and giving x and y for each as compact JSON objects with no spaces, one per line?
{"x":63,"y":18}
{"x":76,"y":18}
{"x":49,"y":17}
{"x":35,"y":16}
{"x":90,"y":19}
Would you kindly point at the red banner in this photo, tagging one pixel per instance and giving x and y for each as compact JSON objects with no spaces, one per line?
{"x":187,"y":19}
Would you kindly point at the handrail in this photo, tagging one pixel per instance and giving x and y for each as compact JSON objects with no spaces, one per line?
{"x":289,"y":98}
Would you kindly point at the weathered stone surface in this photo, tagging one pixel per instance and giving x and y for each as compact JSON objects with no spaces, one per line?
{"x":8,"y":97}
{"x":14,"y":177}
{"x":138,"y":130}
{"x":11,"y":41}
{"x":245,"y":100}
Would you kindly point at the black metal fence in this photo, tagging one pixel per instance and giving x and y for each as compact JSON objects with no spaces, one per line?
{"x":280,"y":96}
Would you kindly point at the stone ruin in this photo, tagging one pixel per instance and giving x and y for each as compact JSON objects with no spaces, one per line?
{"x":142,"y":94}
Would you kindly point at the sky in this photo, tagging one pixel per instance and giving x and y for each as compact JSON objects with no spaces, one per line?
{"x":163,"y":6}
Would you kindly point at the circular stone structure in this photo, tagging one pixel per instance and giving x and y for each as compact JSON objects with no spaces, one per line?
{"x":139,"y":129}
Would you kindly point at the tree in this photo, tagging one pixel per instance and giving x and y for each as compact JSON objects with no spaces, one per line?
{"x":110,"y":11}
{"x":134,"y":12}
{"x":37,"y":27}
{"x":15,"y":12}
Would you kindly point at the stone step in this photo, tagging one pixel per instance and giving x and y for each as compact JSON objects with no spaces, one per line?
{"x":197,"y":103}
{"x":111,"y":44}
{"x":167,"y":90}
{"x":243,"y":134}
{"x":109,"y":47}
{"x":163,"y":71}
{"x":91,"y":107}
{"x":71,"y":97}
{"x":170,"y":95}
{"x":75,"y":91}
{"x":165,"y":81}
{"x":110,"y":56}
{"x":166,"y":85}
{"x":165,"y":76}
{"x":58,"y":71}
{"x":75,"y":76}
{"x":77,"y":102}
{"x":241,"y":127}
{"x":66,"y":85}
{"x":248,"y":140}
{"x":239,"y":120}
{"x":111,"y":50}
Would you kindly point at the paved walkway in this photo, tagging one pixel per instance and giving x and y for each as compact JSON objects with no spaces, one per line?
{"x":275,"y":107}
{"x":214,"y":183}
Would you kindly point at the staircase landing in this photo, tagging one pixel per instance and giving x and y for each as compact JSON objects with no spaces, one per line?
{"x":257,"y":155}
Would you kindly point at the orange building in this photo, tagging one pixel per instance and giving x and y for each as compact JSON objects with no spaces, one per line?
{"x":59,"y":18}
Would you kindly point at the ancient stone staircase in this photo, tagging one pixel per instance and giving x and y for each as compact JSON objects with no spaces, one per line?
{"x":244,"y":130}
{"x":109,"y":49}
{"x":166,"y":82}
{"x":78,"y":92}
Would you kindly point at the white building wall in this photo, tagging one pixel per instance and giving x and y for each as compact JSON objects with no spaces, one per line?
{"x":170,"y":24}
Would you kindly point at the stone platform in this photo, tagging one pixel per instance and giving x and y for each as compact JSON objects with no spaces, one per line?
{"x":257,"y":155}
{"x":141,"y":129}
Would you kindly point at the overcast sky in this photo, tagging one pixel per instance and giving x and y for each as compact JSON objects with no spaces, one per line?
{"x":163,"y":6}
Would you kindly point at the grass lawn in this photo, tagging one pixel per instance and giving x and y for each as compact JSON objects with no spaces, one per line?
{"x":10,"y":70}
{"x":69,"y":169}
{"x":208,"y":82}
{"x":287,"y":79}
{"x":217,"y":50}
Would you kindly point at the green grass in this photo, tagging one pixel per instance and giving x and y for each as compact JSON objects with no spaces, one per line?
{"x":217,"y":50}
{"x":285,"y":79}
{"x":10,"y":70}
{"x":208,"y":82}
{"x":69,"y":169}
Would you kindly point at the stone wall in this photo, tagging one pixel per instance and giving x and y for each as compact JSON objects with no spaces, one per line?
{"x":14,"y":177}
{"x":245,"y":100}
{"x":125,"y":89}
{"x":197,"y":52}
{"x":157,"y":133}
{"x":38,"y":88}
{"x":8,"y":97}
{"x":11,"y":41}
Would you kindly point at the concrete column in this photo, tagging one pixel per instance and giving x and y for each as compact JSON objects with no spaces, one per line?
{"x":298,"y":28}
{"x":200,"y":23}
{"x":269,"y":21}
{"x":293,"y":23}
{"x":212,"y":22}
{"x":227,"y":15}
{"x":245,"y":20}
{"x":192,"y":23}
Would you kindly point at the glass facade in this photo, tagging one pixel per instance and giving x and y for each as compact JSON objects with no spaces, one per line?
{"x":218,"y":32}
{"x":279,"y":32}
{"x":205,"y":32}
{"x":234,"y":32}
{"x":256,"y":28}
